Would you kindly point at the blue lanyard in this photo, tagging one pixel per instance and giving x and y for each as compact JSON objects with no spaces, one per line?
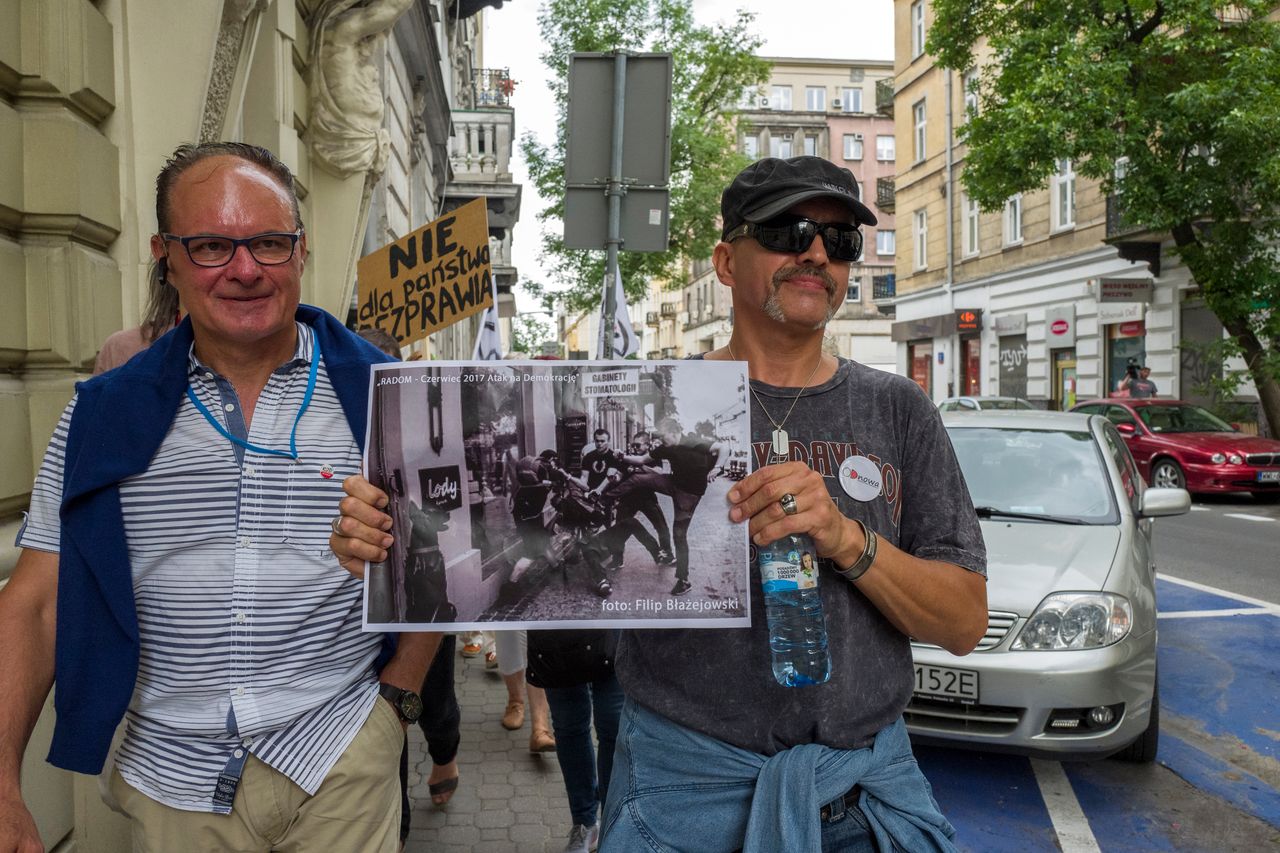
{"x":292,"y":452}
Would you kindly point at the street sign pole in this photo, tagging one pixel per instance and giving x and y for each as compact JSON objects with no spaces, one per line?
{"x":614,"y":190}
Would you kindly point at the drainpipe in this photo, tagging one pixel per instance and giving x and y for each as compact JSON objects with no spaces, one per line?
{"x":953,"y":372}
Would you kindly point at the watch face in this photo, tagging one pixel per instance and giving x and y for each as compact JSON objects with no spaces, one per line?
{"x":411,"y":706}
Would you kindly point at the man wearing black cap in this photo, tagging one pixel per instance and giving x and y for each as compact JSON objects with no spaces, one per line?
{"x":857,"y":459}
{"x":1140,"y":387}
{"x":713,"y":754}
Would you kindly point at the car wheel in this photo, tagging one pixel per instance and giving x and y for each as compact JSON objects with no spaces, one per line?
{"x":1143,"y":750}
{"x":1167,"y":474}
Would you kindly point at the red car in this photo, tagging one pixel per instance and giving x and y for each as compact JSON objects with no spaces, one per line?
{"x":1181,"y":445}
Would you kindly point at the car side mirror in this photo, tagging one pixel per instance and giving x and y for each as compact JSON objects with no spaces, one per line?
{"x":1156,"y":503}
{"x":1127,"y":430}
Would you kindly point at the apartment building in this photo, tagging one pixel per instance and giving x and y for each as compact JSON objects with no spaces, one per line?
{"x":93,"y":98}
{"x":826,"y":108}
{"x":1048,"y":298}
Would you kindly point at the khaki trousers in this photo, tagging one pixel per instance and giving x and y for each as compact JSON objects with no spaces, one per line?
{"x":357,"y":807}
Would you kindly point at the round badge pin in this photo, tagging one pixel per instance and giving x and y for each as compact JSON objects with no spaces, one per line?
{"x":326,"y":471}
{"x":860,"y":478}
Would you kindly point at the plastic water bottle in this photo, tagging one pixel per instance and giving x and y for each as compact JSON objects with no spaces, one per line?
{"x":797,"y":629}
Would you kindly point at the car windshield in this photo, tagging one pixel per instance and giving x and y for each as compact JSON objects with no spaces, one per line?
{"x":1183,"y":418}
{"x":1008,"y":405}
{"x":1049,"y":474}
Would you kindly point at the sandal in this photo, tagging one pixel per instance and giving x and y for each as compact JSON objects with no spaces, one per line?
{"x":471,"y":650}
{"x":491,"y":660}
{"x":441,"y":792}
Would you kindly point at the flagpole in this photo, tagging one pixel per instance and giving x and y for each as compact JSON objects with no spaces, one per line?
{"x":614,"y":191}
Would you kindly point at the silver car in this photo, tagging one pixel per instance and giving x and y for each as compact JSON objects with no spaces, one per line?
{"x":985,"y":404}
{"x":1068,"y":665}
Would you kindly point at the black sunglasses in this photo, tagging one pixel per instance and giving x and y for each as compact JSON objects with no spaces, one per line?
{"x":795,"y":234}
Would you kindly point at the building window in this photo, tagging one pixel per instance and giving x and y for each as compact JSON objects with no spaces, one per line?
{"x":970,"y":224}
{"x":969,"y":83}
{"x":851,"y":100}
{"x":918,"y":116}
{"x":1013,"y":220}
{"x":810,"y":145}
{"x":921,"y":240}
{"x":815,"y":98}
{"x":917,"y":28}
{"x":780,"y":145}
{"x":1064,"y":196}
{"x":780,"y":97}
{"x":853,"y":146}
{"x":751,"y":146}
{"x":884,"y":149}
{"x":886,"y":243}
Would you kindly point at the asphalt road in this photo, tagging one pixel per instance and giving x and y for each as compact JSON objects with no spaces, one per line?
{"x":1228,"y":542}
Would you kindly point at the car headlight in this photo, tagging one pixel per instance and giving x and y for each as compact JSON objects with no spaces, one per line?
{"x":1076,"y":620}
{"x":1218,"y":458}
{"x":1235,"y":459}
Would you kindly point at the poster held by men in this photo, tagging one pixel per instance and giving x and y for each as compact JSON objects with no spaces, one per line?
{"x":430,"y":278}
{"x":528,"y":494}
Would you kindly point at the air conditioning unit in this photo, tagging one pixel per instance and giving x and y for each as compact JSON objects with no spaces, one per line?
{"x":837,"y":104}
{"x":764,"y":103}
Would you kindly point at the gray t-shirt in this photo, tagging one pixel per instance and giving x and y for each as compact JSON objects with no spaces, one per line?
{"x":1140,"y":389}
{"x":720,"y":681}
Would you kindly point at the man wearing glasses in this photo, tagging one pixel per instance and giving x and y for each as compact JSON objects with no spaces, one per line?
{"x":712,"y":751}
{"x":176,"y":556}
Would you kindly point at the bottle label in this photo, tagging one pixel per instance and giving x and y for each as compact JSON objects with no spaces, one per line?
{"x":790,"y":569}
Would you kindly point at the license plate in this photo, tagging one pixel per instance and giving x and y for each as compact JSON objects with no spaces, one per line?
{"x":941,"y":682}
{"x":1269,"y":476}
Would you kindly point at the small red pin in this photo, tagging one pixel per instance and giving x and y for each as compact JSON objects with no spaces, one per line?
{"x":326,"y":471}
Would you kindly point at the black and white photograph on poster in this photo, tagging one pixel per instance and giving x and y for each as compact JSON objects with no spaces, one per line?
{"x":531,"y":494}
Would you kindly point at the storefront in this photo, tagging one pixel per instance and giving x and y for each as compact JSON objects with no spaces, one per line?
{"x":1060,"y":340}
{"x":1011,"y":332}
{"x":926,"y":342}
{"x":969,"y":328}
{"x":1125,"y":336}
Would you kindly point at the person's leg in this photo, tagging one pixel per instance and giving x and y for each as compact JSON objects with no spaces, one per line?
{"x":540,"y":737}
{"x":157,"y":828}
{"x":606,"y":708}
{"x":357,"y":806}
{"x":685,"y":504}
{"x":571,"y":719}
{"x":649,"y":509}
{"x":440,"y":722}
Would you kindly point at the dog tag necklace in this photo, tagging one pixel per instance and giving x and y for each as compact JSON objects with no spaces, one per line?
{"x":781,"y":441}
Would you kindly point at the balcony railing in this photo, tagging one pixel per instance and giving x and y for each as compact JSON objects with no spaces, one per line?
{"x":669,"y":352}
{"x":651,"y":318}
{"x":885,"y":194}
{"x":492,"y":87}
{"x":653,"y":354}
{"x":884,"y":96}
{"x":669,"y":309}
{"x":884,"y":287}
{"x":1117,"y":224}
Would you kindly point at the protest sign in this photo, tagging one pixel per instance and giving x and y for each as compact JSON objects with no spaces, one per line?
{"x":430,"y":278}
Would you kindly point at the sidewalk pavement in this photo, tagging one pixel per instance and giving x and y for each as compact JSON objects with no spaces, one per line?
{"x":507,"y":799}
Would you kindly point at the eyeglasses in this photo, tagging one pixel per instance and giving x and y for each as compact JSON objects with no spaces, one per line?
{"x":795,"y":234}
{"x":214,"y":250}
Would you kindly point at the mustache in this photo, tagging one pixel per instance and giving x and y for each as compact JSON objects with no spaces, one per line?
{"x":785,"y":274}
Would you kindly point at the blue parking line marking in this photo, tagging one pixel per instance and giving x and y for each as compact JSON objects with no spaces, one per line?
{"x":1226,"y":781}
{"x":993,"y":800}
{"x":1124,"y":818}
{"x":1226,"y":689}
{"x":1173,"y":597}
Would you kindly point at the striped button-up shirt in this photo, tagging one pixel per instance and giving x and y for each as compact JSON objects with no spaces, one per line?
{"x":250,"y":631}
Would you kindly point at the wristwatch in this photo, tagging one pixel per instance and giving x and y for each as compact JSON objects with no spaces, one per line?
{"x":407,"y":703}
{"x":860,"y":566}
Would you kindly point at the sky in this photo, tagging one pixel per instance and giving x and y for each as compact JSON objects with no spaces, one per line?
{"x":837,"y":29}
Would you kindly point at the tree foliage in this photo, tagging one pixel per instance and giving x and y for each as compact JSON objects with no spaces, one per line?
{"x":1183,"y":94}
{"x":711,"y":68}
{"x":529,"y":332}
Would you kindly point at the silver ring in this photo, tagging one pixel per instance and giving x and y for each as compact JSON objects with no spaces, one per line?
{"x":333,"y":525}
{"x":788,"y":504}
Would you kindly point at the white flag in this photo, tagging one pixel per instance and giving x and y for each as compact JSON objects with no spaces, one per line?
{"x":489,"y":340}
{"x":625,"y":342}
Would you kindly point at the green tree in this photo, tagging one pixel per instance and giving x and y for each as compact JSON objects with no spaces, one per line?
{"x":711,"y":68}
{"x":528,"y":332}
{"x":1173,"y":105}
